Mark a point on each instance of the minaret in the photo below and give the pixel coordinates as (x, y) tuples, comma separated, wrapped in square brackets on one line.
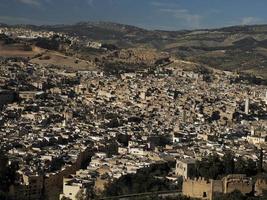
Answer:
[(252, 131), (247, 106), (254, 94), (260, 161), (177, 126), (183, 115), (64, 123)]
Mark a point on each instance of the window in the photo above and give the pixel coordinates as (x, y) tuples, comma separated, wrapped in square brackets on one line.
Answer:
[(34, 181), (204, 194)]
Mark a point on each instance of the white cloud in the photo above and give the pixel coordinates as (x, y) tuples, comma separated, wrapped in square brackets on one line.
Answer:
[(90, 3), (30, 2), (24, 20), (250, 20), (192, 20), (15, 20), (165, 5)]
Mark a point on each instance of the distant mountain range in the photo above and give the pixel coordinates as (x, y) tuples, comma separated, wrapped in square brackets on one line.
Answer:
[(237, 48)]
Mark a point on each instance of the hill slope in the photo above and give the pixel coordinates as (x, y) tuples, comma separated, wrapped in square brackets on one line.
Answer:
[(238, 48)]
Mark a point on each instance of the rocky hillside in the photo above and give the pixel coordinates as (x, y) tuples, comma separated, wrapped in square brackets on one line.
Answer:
[(239, 48)]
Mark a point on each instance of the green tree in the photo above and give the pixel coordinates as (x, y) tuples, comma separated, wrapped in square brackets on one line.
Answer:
[(143, 181), (240, 166), (81, 195), (264, 197), (236, 195), (111, 148), (251, 169), (3, 171), (3, 195), (210, 167), (228, 163), (7, 175), (248, 167)]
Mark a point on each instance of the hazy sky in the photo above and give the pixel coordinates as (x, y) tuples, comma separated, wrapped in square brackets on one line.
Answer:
[(151, 14)]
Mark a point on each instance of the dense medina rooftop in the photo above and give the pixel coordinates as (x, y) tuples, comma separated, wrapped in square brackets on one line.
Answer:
[(89, 128)]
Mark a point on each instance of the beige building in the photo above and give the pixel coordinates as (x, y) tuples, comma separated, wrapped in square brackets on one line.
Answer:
[(30, 94), (35, 187), (31, 189), (256, 140), (73, 188), (185, 168)]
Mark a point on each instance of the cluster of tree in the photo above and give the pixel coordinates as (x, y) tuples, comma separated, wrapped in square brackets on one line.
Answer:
[(214, 167), (116, 68), (215, 116), (249, 79), (237, 195), (159, 140), (157, 197), (7, 175), (26, 47), (46, 57), (145, 180), (46, 43), (111, 148), (56, 164), (6, 39), (162, 61), (53, 43), (4, 60)]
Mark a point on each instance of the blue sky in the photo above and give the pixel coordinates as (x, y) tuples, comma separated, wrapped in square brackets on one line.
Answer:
[(151, 14)]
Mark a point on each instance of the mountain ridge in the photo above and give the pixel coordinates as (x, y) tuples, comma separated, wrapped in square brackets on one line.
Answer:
[(234, 48)]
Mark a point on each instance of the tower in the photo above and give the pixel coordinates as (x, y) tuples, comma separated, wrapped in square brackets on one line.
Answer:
[(252, 131), (64, 123), (68, 115), (260, 160), (183, 115), (247, 106), (176, 126)]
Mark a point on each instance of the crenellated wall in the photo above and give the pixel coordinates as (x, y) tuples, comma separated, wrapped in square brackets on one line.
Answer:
[(208, 189), (260, 186)]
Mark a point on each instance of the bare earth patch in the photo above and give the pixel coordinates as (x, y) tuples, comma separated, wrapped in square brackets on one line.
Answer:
[(18, 51), (66, 62)]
